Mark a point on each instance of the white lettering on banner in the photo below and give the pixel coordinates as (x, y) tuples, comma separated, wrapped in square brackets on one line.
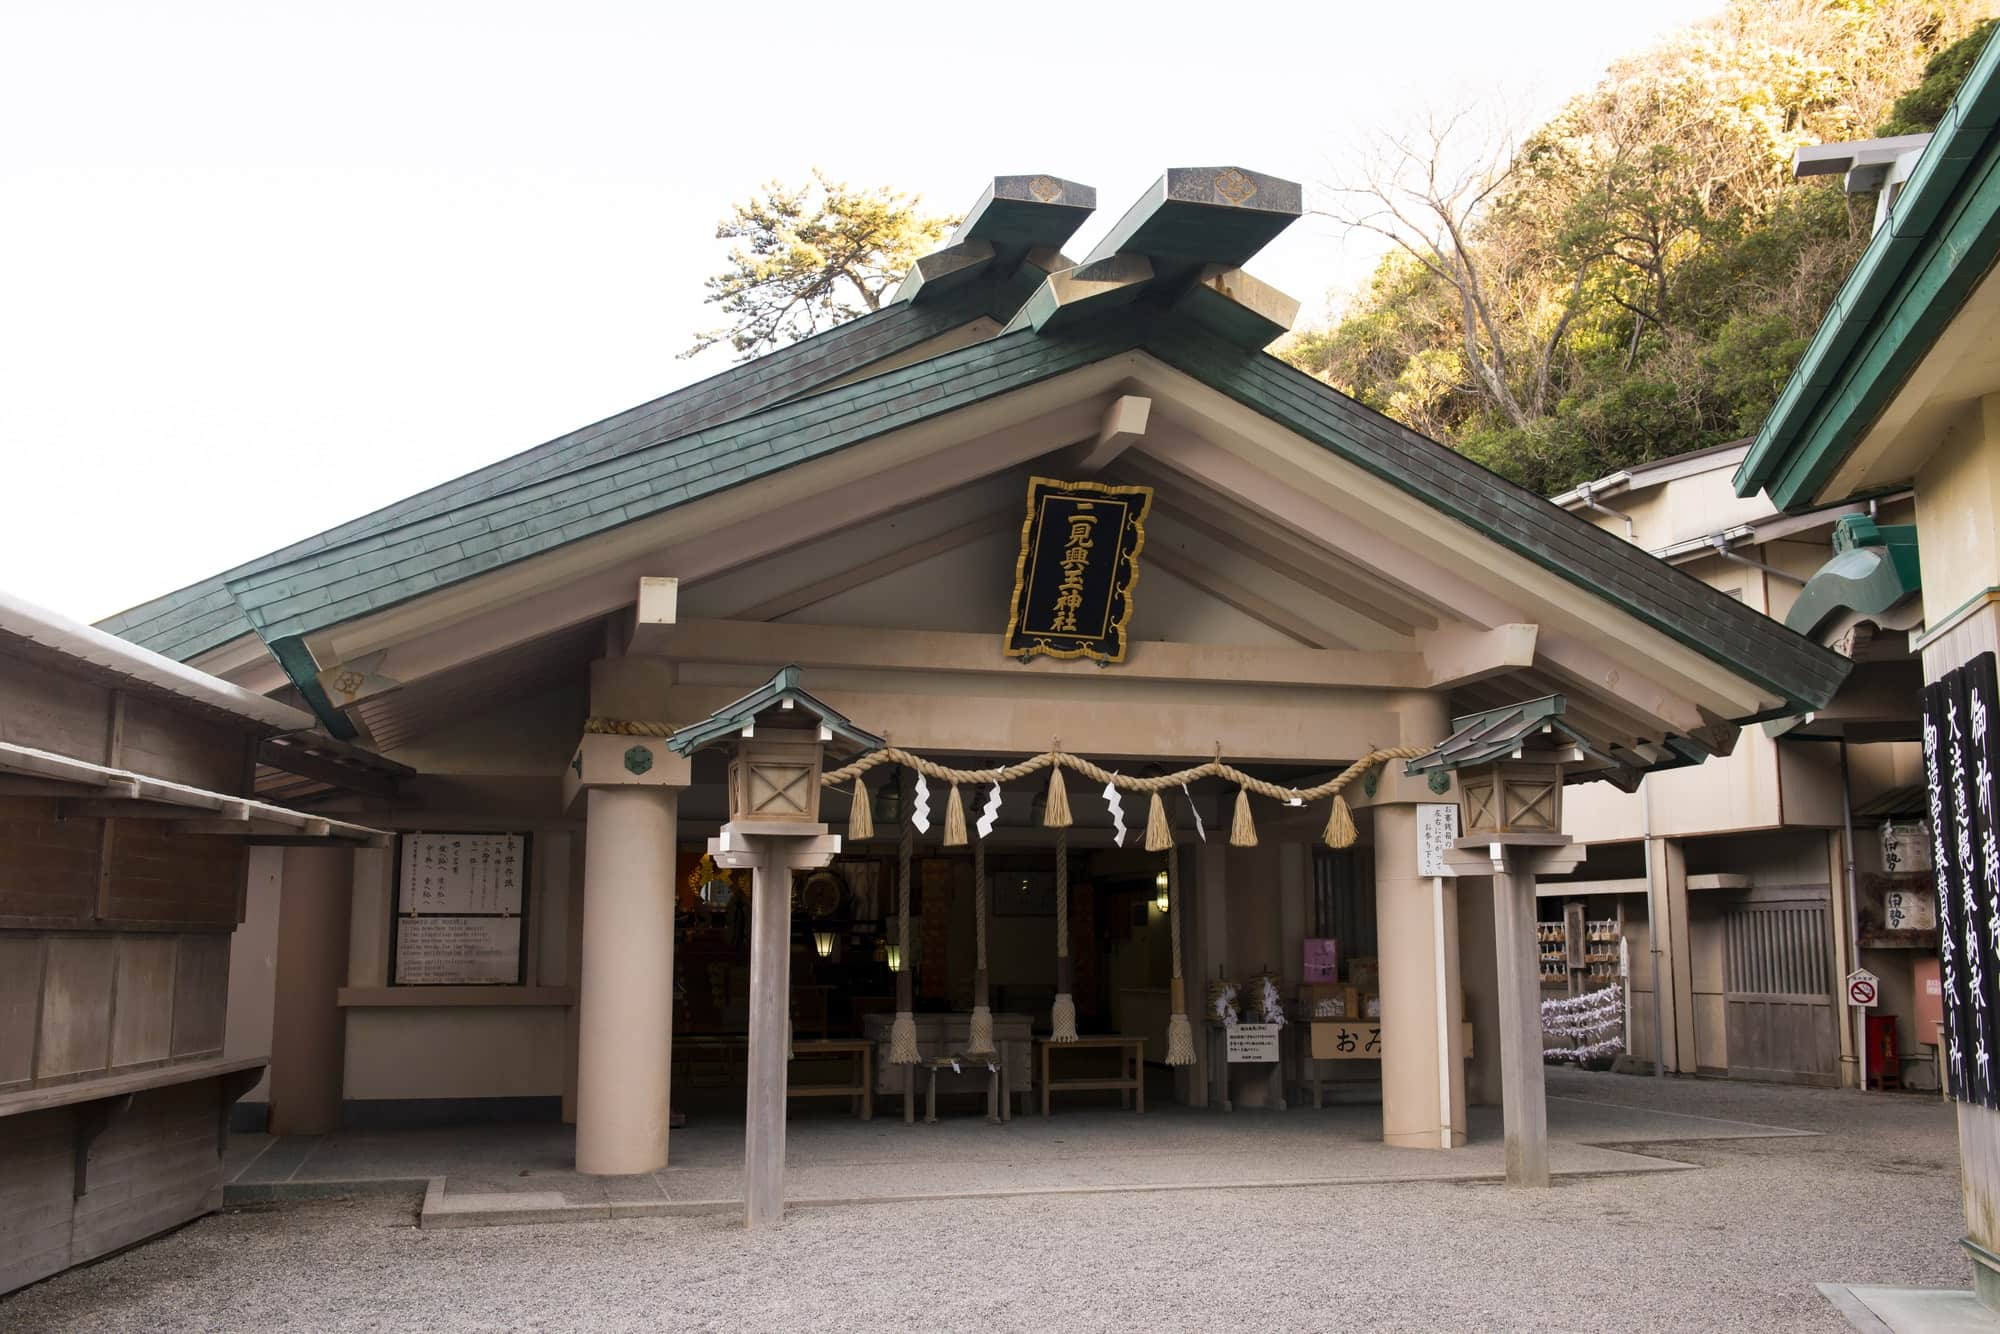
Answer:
[(1437, 831), (1251, 1043)]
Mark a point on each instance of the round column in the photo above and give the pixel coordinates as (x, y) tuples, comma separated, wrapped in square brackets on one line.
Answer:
[(1416, 1047), (626, 990)]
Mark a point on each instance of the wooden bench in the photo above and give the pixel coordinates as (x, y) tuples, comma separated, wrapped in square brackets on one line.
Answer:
[(862, 1090), (1131, 1080)]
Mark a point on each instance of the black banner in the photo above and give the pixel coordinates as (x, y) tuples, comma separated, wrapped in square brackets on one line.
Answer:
[(1078, 564), (1960, 757)]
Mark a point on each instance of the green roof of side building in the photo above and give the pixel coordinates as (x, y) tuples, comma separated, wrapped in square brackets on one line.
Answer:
[(1940, 240)]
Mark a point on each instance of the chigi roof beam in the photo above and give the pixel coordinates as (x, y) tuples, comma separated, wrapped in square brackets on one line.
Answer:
[(1194, 216), (1017, 219)]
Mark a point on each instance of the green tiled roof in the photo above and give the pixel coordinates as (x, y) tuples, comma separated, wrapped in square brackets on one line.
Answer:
[(325, 588), (202, 616), (768, 415), (1941, 238)]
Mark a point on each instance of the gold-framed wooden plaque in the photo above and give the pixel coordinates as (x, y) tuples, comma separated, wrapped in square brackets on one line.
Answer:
[(1078, 566)]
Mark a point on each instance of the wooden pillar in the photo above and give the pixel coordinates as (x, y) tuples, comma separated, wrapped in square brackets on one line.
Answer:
[(1676, 959), (308, 1029), (1523, 1101), (626, 990), (770, 1038)]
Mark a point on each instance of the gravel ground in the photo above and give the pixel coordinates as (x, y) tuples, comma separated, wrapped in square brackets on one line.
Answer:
[(1736, 1245)]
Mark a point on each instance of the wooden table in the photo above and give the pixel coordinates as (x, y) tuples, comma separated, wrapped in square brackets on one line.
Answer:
[(996, 1084), (862, 1091), (1131, 1080)]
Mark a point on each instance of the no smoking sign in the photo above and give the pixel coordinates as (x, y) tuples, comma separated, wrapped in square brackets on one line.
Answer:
[(1863, 988)]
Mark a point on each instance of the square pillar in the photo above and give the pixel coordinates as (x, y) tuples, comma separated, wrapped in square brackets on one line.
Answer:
[(308, 1029), (1676, 985), (1416, 942)]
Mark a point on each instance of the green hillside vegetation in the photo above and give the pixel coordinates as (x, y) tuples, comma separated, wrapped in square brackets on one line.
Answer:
[(1636, 277)]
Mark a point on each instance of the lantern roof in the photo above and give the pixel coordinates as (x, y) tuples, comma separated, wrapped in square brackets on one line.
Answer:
[(1510, 732), (780, 692)]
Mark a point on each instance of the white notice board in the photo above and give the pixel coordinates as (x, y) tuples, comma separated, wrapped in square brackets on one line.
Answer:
[(458, 951), (1437, 830), (1252, 1043), (463, 873), (460, 902)]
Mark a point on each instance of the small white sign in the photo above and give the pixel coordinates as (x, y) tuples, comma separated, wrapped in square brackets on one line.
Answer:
[(1906, 847), (1863, 988), (1249, 1043), (1437, 830), (1909, 910)]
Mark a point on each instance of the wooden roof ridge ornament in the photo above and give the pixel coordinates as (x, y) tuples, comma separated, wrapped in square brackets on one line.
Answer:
[(1186, 238), (1016, 228), (777, 734), (1510, 763)]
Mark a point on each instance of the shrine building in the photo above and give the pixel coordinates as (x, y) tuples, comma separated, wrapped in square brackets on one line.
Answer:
[(1035, 656)]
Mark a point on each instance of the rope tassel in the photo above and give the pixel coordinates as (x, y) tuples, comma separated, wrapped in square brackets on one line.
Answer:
[(1340, 830), (1159, 834), (1180, 1034), (1056, 816), (860, 816), (979, 1035), (903, 1033), (1062, 1015), (954, 820), (1242, 830)]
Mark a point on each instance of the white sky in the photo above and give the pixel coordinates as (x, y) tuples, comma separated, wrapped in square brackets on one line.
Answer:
[(268, 266)]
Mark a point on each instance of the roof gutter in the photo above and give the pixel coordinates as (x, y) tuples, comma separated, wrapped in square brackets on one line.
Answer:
[(1933, 245), (87, 644), (1584, 498)]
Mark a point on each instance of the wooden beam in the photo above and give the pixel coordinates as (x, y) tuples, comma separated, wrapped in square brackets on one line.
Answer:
[(303, 763), (1251, 604), (1315, 727), (655, 612), (1229, 525), (141, 809), (1459, 654), (798, 599), (1124, 423), (1587, 668), (53, 787), (760, 643)]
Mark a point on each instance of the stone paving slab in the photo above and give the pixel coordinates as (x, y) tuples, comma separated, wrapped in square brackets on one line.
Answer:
[(484, 1175)]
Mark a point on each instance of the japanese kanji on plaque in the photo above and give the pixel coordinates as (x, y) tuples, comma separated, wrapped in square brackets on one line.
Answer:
[(1079, 562)]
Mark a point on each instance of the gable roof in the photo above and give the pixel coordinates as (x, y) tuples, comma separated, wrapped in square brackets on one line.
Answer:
[(1194, 317), (192, 620), (1941, 237)]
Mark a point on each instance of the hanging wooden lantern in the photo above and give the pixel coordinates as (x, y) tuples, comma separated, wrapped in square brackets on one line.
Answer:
[(1511, 796), (774, 775), (777, 737)]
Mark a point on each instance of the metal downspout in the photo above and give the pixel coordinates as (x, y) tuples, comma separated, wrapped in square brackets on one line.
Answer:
[(1653, 936)]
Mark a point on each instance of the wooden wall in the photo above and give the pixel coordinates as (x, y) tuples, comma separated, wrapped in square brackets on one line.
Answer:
[(114, 960)]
